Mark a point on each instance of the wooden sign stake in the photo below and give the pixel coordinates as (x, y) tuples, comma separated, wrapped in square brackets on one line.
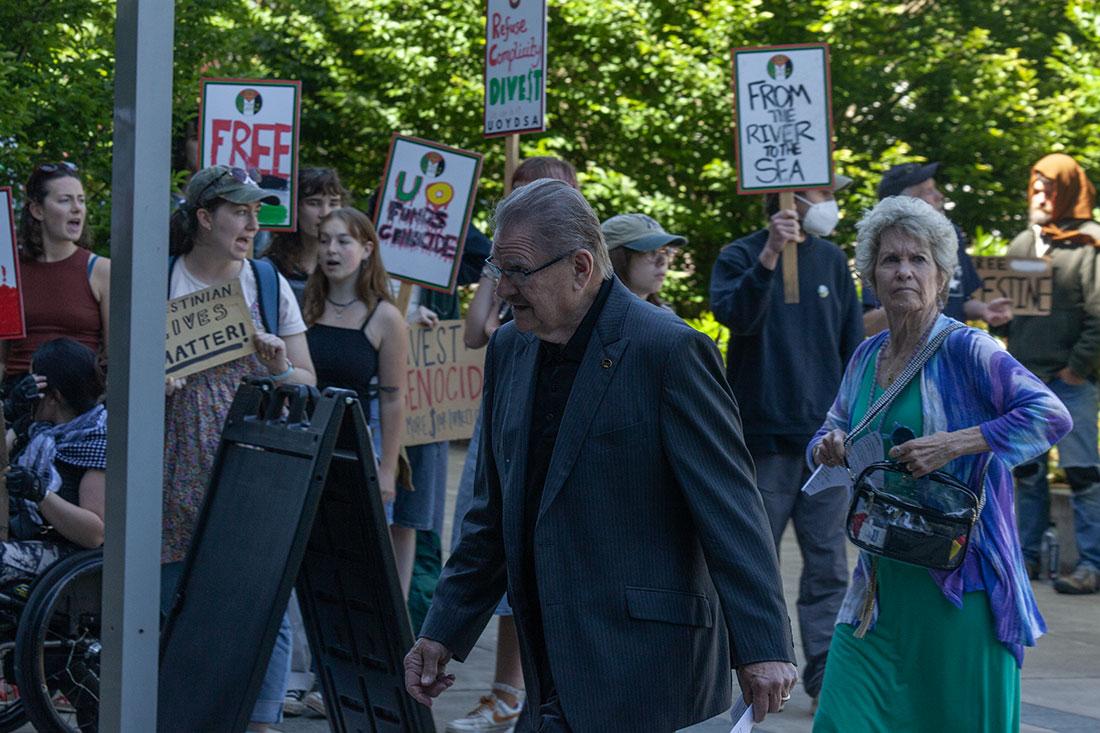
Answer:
[(511, 160), (790, 255), (403, 296)]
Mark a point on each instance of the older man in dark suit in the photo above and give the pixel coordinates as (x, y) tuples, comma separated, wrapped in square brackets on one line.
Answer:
[(615, 501)]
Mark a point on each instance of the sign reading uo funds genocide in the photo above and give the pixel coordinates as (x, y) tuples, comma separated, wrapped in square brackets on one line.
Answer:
[(207, 328), (1026, 281), (443, 385)]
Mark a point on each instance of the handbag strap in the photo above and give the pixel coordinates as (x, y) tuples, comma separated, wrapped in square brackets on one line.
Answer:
[(912, 369)]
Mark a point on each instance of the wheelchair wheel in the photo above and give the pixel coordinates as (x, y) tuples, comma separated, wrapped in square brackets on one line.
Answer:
[(12, 712), (57, 646)]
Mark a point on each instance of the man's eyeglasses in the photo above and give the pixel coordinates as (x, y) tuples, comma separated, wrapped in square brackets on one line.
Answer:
[(240, 175), (517, 275)]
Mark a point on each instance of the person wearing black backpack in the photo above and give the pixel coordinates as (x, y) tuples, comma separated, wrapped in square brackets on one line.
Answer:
[(211, 236)]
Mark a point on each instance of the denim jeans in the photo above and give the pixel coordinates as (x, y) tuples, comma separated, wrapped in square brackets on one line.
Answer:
[(1077, 450)]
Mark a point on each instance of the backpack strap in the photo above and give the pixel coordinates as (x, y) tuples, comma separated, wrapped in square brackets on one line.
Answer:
[(267, 293), (91, 264)]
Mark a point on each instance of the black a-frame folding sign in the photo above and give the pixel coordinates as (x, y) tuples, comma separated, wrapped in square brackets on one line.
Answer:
[(294, 486)]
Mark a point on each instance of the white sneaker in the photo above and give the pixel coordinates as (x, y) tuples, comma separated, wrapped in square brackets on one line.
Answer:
[(294, 702), (492, 715), (315, 704)]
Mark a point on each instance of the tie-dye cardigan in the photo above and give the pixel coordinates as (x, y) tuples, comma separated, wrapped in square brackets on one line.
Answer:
[(972, 381)]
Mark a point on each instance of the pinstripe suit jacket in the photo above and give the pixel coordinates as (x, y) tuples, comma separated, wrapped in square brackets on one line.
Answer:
[(656, 570)]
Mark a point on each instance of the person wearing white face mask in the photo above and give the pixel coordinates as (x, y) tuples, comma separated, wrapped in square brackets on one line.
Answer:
[(785, 362)]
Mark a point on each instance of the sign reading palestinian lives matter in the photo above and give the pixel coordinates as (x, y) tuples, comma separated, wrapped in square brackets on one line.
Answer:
[(783, 103), (515, 66), (423, 211), (1028, 282), (443, 385), (252, 124), (12, 325), (207, 328)]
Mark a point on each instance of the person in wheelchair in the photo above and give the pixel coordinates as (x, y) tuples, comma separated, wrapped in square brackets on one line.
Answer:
[(58, 444)]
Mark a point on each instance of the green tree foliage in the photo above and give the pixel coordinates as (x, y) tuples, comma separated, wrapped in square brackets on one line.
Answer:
[(639, 94)]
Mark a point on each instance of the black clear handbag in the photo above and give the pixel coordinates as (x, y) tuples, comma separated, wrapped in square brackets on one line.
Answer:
[(926, 521)]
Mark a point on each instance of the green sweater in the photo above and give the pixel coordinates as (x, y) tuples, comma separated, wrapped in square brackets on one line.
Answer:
[(1070, 335)]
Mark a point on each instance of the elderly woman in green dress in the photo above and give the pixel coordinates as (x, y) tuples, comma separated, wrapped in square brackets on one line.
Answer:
[(918, 649)]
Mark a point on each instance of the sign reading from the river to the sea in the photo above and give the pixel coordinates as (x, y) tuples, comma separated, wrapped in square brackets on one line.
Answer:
[(442, 385), (783, 103), (423, 211), (207, 328), (1028, 282), (252, 124), (12, 325), (515, 66)]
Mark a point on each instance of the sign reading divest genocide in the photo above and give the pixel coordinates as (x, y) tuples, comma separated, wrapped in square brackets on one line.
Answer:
[(207, 328), (515, 66), (1028, 282), (12, 325), (783, 103), (424, 209), (443, 385), (252, 124)]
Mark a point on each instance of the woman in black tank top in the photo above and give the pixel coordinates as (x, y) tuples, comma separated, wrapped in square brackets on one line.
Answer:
[(357, 334)]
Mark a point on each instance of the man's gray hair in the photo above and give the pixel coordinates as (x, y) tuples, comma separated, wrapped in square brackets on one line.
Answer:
[(910, 216), (556, 216)]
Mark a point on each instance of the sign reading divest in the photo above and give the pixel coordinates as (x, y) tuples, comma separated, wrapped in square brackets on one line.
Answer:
[(442, 386), (207, 328), (12, 325), (515, 66), (424, 209), (1028, 282), (783, 103), (252, 124)]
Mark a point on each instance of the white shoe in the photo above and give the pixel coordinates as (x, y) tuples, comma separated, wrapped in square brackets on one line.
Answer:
[(315, 704), (492, 715), (294, 702)]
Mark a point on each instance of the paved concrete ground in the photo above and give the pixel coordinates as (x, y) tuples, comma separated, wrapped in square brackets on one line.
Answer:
[(1061, 676)]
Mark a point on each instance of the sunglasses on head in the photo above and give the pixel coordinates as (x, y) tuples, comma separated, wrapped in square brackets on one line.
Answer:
[(240, 175), (54, 167)]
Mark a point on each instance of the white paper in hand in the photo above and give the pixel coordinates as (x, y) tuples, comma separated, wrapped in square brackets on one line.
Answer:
[(861, 454), (742, 716)]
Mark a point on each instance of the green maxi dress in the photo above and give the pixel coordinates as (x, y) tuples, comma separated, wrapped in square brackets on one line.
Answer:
[(925, 665)]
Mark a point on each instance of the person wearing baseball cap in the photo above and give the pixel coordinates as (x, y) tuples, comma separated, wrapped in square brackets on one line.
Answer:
[(785, 363), (918, 180), (641, 251)]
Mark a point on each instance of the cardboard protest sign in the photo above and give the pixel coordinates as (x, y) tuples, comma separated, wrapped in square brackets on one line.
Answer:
[(1028, 282), (12, 324), (443, 385), (207, 328), (423, 210), (515, 66), (783, 104), (252, 124)]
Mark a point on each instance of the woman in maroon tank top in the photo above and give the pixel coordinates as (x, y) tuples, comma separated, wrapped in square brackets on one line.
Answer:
[(66, 289)]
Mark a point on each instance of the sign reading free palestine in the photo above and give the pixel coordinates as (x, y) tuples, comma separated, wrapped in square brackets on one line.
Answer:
[(515, 66), (252, 124)]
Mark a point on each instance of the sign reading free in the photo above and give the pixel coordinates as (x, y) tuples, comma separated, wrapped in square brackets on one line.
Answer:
[(443, 384), (252, 124), (783, 103), (515, 66)]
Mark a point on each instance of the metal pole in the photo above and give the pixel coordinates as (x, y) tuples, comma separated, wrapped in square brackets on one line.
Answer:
[(135, 396)]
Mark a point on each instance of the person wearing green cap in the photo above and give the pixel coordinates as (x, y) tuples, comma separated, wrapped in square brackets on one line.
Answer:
[(641, 252), (211, 235)]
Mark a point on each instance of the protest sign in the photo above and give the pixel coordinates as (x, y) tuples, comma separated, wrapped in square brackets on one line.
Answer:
[(783, 104), (515, 66), (423, 210), (207, 328), (443, 385), (1028, 282), (252, 124), (12, 325)]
